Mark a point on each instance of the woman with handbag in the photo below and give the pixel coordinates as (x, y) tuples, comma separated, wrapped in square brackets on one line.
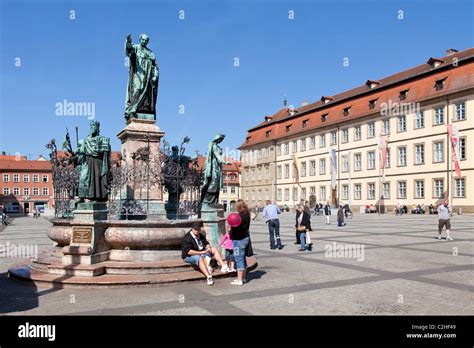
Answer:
[(241, 242), (303, 228)]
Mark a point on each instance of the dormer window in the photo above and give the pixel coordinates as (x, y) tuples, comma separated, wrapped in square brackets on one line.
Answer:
[(372, 84), (267, 134), (345, 112), (247, 140), (288, 128), (326, 100), (305, 123), (268, 118), (324, 118), (403, 94), (439, 84), (434, 63), (372, 103)]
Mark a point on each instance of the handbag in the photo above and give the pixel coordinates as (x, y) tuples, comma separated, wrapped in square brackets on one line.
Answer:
[(308, 238), (301, 228)]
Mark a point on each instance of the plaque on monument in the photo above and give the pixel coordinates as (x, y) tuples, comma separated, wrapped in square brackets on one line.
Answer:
[(82, 235)]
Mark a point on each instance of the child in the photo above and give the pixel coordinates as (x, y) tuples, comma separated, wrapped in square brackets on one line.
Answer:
[(229, 253)]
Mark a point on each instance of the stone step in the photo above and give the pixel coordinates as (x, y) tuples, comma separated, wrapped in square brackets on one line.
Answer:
[(94, 270), (157, 267)]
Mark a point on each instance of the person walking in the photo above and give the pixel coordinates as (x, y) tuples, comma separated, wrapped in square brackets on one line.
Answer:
[(270, 214), (340, 216), (327, 212), (241, 242), (303, 226), (444, 216)]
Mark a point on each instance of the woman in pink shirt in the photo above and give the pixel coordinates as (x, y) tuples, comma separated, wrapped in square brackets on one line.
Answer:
[(229, 252)]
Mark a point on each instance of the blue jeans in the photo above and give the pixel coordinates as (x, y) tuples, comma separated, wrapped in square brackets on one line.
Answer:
[(194, 260), (303, 240), (240, 247), (274, 231)]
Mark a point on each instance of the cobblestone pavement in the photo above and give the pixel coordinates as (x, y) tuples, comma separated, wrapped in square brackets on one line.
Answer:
[(394, 265)]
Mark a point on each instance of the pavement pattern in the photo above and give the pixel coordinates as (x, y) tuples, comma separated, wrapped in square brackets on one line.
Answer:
[(376, 265)]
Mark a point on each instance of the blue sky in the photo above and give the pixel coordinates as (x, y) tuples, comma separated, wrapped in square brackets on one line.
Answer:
[(82, 60)]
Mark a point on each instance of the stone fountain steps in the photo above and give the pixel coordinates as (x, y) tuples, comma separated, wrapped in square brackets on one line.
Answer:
[(41, 278)]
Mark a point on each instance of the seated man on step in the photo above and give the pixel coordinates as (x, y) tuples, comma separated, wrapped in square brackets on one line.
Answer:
[(197, 251)]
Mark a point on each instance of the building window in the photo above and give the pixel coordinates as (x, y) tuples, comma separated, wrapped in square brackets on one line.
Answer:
[(278, 149), (439, 115), (345, 135), (322, 166), (462, 148), (303, 169), (287, 194), (267, 134), (386, 126), (357, 191), (324, 118), (279, 195), (420, 154), (45, 177), (345, 163), (224, 189), (386, 190), (303, 144), (35, 191), (438, 188), (419, 188), (16, 178), (371, 190), (402, 156), (346, 111), (402, 123), (288, 128), (312, 190), (312, 142), (333, 138), (295, 146), (357, 132), (279, 172), (371, 130), (439, 85), (312, 167), (6, 191), (303, 193), (357, 162), (402, 189), (35, 178), (16, 191), (460, 111), (322, 140), (460, 188), (6, 178), (26, 178), (287, 171), (403, 94), (26, 190), (371, 160), (419, 120), (345, 192), (232, 189), (295, 194), (438, 152), (287, 148), (305, 123), (322, 193), (387, 159), (372, 103)]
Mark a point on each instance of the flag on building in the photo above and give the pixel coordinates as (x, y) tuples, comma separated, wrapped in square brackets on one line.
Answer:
[(382, 146), (334, 168), (453, 133), (296, 166)]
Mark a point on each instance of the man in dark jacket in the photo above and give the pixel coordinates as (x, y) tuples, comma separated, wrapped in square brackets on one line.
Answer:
[(197, 251)]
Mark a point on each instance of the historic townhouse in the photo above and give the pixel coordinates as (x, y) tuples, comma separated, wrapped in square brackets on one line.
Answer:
[(400, 121)]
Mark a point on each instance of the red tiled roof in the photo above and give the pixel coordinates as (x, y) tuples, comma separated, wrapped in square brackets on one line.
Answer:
[(234, 166), (25, 165), (419, 80)]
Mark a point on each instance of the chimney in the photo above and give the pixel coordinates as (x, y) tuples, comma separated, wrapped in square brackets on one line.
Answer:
[(4, 153), (451, 51)]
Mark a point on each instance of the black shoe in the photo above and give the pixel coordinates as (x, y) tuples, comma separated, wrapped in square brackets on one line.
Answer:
[(302, 249), (309, 247), (272, 248), (280, 247), (296, 243)]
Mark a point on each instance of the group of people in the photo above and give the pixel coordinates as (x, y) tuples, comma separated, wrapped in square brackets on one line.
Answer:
[(36, 213), (198, 252)]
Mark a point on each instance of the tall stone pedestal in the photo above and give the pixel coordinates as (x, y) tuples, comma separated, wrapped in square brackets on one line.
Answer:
[(87, 245), (140, 133), (214, 223)]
